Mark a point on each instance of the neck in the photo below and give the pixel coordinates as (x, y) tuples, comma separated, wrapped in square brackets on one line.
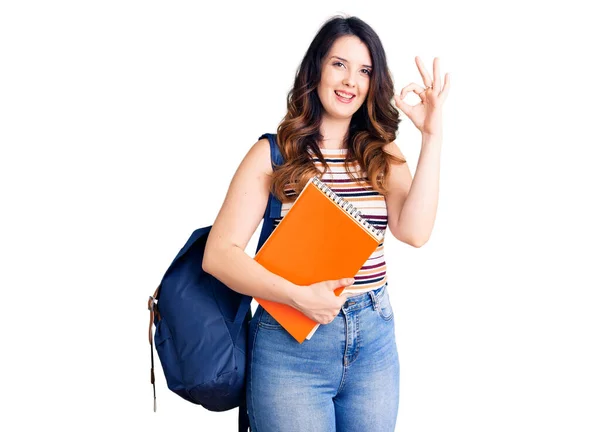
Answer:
[(333, 131)]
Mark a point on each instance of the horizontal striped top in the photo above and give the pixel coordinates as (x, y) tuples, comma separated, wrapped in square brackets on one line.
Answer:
[(369, 202)]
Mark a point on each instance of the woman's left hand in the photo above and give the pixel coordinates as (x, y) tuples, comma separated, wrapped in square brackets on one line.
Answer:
[(427, 115)]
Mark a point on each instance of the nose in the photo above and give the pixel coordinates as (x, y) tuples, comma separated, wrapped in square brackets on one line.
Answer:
[(349, 80)]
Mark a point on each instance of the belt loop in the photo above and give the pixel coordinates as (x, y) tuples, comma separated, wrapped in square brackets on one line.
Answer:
[(374, 300)]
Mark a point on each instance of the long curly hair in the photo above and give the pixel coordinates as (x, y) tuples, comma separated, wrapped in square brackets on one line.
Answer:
[(372, 126)]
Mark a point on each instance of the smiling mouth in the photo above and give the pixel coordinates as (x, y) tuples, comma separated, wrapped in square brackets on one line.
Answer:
[(344, 96)]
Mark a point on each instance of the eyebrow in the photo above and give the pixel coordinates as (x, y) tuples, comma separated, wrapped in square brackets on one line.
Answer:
[(343, 59)]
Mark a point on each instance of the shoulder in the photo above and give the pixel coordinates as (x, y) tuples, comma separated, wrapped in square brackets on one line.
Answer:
[(399, 173), (393, 149), (259, 156)]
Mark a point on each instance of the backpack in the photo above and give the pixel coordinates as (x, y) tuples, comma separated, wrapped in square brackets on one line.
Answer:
[(201, 325)]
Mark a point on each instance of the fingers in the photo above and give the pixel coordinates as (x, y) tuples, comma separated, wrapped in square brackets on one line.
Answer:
[(446, 89), (341, 282), (414, 87), (436, 75), (436, 83), (423, 71), (404, 107)]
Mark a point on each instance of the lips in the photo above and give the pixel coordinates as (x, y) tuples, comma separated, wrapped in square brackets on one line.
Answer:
[(341, 93), (344, 100)]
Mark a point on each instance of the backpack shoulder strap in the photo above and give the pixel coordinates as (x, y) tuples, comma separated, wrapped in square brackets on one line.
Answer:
[(273, 209), (276, 157)]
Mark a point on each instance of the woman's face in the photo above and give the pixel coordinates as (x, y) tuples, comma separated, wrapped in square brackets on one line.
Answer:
[(346, 68)]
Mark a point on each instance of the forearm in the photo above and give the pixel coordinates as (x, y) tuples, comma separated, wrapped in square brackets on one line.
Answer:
[(420, 207), (232, 266)]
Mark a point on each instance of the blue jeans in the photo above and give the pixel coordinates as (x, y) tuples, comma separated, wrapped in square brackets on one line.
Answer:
[(345, 379)]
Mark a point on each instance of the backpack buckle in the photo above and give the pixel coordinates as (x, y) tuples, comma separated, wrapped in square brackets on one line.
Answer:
[(151, 303)]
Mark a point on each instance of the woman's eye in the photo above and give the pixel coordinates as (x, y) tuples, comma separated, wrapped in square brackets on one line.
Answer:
[(367, 71)]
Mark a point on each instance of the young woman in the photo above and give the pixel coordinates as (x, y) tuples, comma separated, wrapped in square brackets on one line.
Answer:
[(340, 125)]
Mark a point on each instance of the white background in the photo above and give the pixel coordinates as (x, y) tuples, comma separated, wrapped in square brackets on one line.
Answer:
[(122, 123)]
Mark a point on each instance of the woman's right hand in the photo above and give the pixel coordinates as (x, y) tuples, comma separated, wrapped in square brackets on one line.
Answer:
[(319, 302)]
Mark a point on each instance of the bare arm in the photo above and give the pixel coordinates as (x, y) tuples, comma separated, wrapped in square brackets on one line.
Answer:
[(412, 203), (244, 206), (420, 207)]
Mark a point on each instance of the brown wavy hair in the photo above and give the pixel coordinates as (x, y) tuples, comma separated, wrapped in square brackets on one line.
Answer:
[(372, 126)]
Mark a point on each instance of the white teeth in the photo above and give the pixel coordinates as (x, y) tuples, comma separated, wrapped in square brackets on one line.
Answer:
[(343, 95)]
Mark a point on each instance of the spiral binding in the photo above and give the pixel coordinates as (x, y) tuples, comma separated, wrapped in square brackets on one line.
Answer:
[(345, 205)]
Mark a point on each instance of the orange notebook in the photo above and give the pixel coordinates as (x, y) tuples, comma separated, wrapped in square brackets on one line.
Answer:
[(322, 237)]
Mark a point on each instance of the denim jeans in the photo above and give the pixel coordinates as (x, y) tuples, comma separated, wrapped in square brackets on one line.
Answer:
[(345, 379)]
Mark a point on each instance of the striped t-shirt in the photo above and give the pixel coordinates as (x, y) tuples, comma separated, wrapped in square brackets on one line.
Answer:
[(368, 201)]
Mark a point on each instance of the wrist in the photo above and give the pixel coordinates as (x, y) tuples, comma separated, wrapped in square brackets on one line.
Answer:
[(292, 294), (431, 141), (431, 137)]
